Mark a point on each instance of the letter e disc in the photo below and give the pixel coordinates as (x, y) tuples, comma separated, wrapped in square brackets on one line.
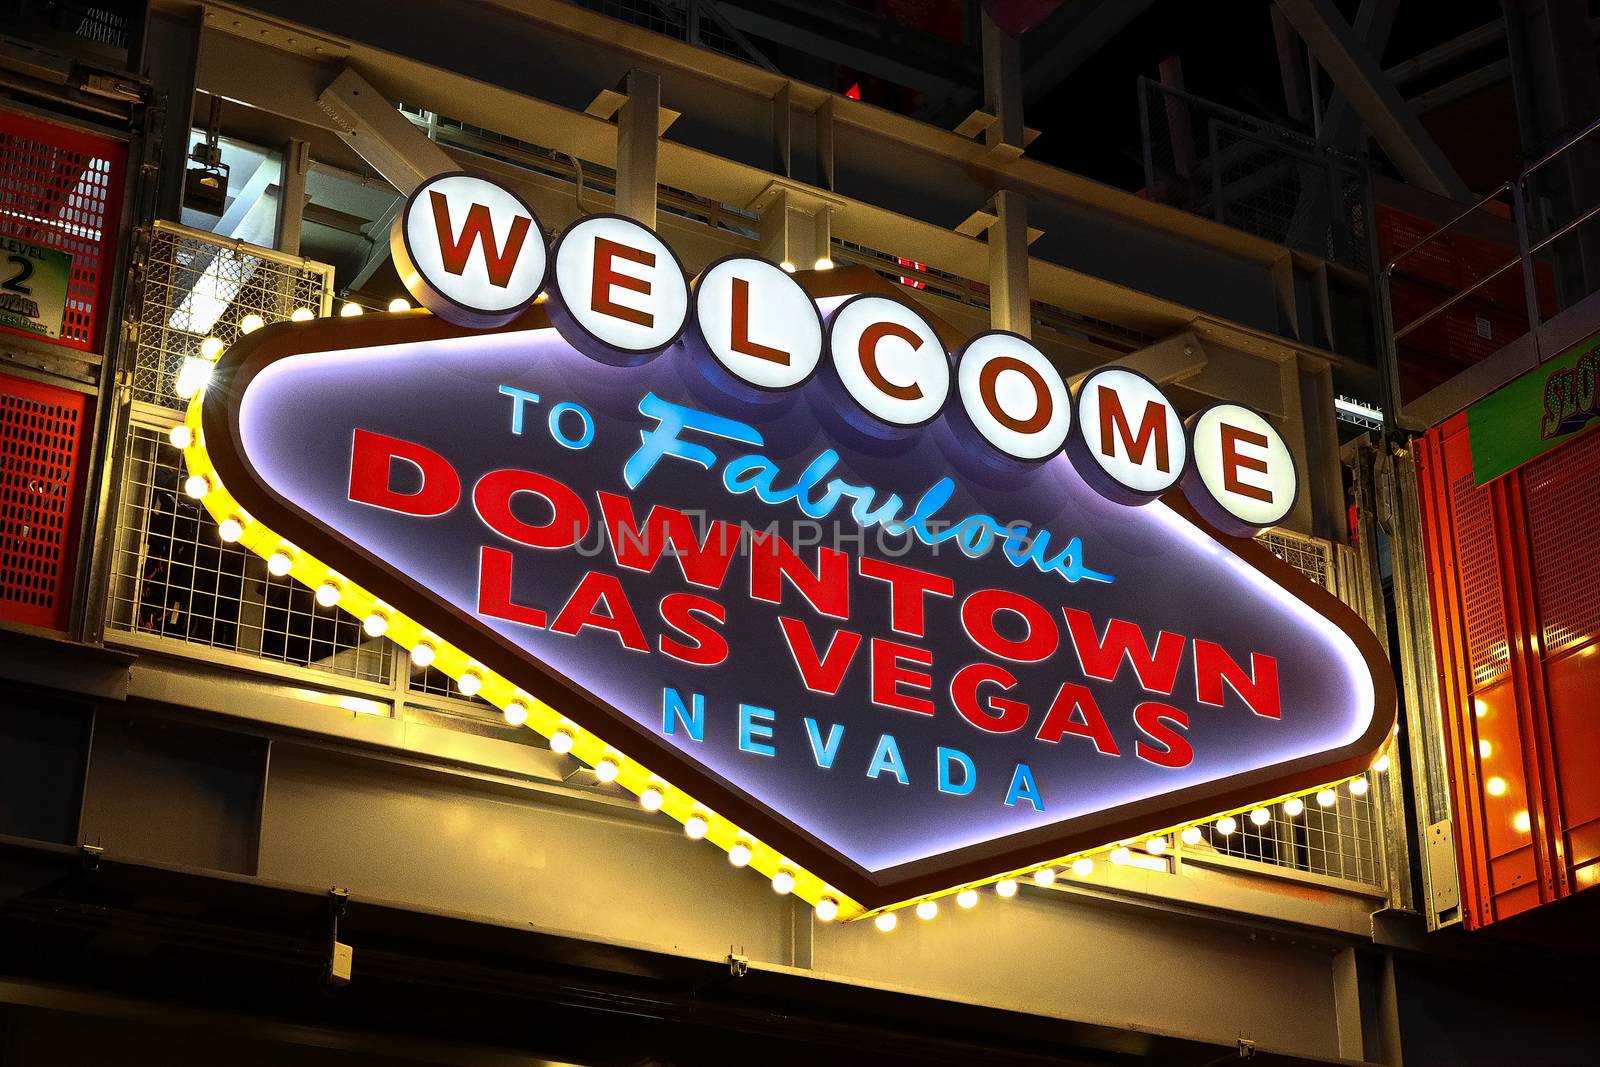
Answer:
[(889, 360), (757, 322), (469, 250), (1129, 442), (1241, 475), (621, 286), (1013, 395)]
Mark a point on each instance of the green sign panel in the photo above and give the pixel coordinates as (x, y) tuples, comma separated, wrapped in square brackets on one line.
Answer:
[(33, 286), (1547, 406)]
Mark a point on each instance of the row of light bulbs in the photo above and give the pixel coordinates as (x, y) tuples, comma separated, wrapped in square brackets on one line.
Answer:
[(608, 768)]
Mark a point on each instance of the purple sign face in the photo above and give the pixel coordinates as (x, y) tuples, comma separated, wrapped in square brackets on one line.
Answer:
[(903, 659)]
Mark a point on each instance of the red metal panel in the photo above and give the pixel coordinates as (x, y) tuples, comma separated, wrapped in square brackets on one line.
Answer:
[(1514, 580), (43, 434), (62, 188)]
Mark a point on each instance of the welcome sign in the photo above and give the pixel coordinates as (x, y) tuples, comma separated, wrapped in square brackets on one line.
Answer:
[(882, 613)]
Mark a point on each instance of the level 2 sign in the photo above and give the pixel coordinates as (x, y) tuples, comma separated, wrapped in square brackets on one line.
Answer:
[(882, 612)]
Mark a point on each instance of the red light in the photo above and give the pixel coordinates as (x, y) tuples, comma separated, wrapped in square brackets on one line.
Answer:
[(854, 92), (913, 282)]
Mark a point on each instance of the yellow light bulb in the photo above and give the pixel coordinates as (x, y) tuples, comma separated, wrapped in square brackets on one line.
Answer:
[(927, 910), (967, 898), (230, 530), (783, 883), (1227, 825), (376, 624), (424, 655), (350, 310), (516, 713), (1120, 855), (1497, 786), (251, 323), (1521, 823), (1083, 866), (469, 684), (180, 436), (827, 909), (399, 303), (1006, 887), (328, 594), (211, 348), (279, 564), (823, 264), (787, 266), (1294, 808), (886, 922), (1485, 749), (739, 855), (1358, 787), (1261, 816), (1044, 876), (695, 826), (1156, 846), (651, 798), (1191, 835), (1326, 798), (196, 486), (1382, 763), (302, 315), (607, 770), (561, 742)]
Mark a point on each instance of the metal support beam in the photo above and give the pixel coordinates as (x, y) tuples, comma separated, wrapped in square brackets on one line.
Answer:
[(796, 226), (292, 196), (1009, 306), (369, 123), (1173, 359), (1002, 88), (638, 138), (1341, 125), (172, 56), (1397, 129)]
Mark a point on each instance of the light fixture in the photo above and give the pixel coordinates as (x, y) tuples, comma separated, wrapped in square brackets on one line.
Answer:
[(350, 310), (230, 529), (1521, 823), (787, 266), (192, 377), (608, 769), (181, 437), (739, 854), (424, 654), (196, 486), (1156, 846), (1191, 835), (1120, 855), (1485, 748), (1294, 807), (211, 348), (695, 826), (328, 593), (827, 909), (376, 624), (279, 563), (1083, 866), (1227, 825), (469, 684), (1358, 787), (783, 882), (1261, 816), (651, 798), (399, 303), (515, 713), (561, 743), (1006, 887), (927, 910), (1326, 798), (1382, 763), (1479, 708), (302, 315), (886, 922), (967, 898), (251, 323), (823, 264), (1044, 877), (1496, 786)]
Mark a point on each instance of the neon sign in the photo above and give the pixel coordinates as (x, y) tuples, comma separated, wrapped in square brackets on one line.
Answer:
[(881, 623)]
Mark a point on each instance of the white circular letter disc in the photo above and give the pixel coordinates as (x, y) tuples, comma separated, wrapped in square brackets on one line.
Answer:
[(889, 360), (469, 250), (1242, 474), (621, 284), (1013, 395), (758, 322), (1129, 433)]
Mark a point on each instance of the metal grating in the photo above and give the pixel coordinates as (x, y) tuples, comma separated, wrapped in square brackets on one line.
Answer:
[(197, 286), (175, 578), (41, 451), (1339, 841), (1483, 606), (1563, 513), (61, 188), (1311, 556)]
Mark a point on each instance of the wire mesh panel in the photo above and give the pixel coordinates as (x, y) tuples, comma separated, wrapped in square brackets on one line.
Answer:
[(1336, 840), (175, 578), (42, 438), (62, 188), (198, 286), (1252, 175), (1311, 556)]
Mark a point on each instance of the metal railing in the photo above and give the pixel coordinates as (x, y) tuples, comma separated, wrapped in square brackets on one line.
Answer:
[(1527, 248)]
